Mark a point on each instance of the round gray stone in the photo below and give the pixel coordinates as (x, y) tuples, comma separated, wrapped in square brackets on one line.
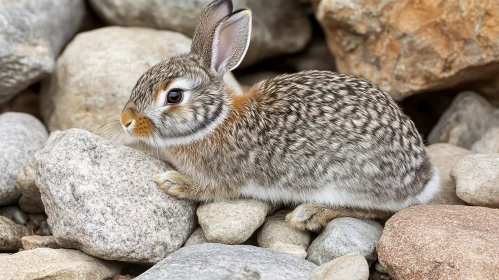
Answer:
[(345, 235), (21, 135)]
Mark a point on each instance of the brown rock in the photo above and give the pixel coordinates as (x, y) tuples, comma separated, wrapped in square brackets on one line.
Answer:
[(411, 46), (31, 242), (444, 157), (441, 242)]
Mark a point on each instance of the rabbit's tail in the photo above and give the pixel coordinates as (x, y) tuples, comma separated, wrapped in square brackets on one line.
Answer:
[(430, 190)]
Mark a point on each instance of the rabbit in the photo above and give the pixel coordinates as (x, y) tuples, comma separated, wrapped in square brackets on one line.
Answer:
[(334, 143)]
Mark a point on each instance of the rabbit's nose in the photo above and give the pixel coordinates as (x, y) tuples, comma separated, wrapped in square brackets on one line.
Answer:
[(127, 117), (128, 124)]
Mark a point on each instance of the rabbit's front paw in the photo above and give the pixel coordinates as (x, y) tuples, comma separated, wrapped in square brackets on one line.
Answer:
[(174, 183)]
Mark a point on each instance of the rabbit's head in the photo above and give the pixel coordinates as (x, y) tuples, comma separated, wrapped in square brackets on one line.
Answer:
[(184, 98)]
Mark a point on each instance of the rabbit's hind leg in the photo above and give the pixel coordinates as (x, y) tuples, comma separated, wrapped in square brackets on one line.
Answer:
[(314, 217)]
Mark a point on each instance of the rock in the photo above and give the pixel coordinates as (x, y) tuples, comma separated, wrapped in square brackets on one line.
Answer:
[(231, 222), (21, 135), (269, 36), (30, 201), (90, 86), (197, 237), (33, 34), (441, 242), (477, 179), (10, 235), (14, 213), (275, 229), (444, 157), (290, 249), (380, 268), (351, 266), (60, 264), (31, 242), (400, 46), (465, 121), (100, 198), (218, 261), (488, 143), (37, 224), (122, 277), (345, 235)]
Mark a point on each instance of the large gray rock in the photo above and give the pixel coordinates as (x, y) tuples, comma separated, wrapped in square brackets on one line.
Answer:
[(217, 261), (55, 264), (477, 179), (95, 75), (279, 26), (33, 34), (466, 120), (100, 198), (444, 156), (345, 235), (21, 135), (232, 222), (10, 235)]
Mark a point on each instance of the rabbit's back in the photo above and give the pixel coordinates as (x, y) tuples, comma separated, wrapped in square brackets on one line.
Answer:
[(331, 138)]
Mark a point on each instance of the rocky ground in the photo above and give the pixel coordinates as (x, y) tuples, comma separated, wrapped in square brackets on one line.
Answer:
[(75, 205)]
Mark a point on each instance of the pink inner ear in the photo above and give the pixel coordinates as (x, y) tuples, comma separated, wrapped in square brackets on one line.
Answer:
[(230, 42)]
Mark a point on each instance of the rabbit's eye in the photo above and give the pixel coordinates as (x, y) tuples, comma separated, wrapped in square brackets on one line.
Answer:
[(174, 96)]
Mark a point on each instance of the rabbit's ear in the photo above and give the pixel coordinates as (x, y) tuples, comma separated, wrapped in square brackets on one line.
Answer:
[(230, 41), (210, 16)]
